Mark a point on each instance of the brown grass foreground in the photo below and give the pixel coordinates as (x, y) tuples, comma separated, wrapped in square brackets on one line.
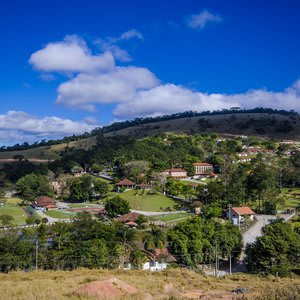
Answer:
[(171, 284)]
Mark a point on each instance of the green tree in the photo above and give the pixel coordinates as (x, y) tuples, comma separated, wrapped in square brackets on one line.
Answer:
[(117, 206), (33, 185), (276, 251), (6, 220)]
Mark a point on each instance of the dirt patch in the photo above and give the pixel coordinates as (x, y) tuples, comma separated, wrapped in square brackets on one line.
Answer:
[(107, 289)]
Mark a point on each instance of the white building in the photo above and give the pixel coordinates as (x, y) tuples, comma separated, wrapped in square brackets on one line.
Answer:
[(202, 168), (238, 215)]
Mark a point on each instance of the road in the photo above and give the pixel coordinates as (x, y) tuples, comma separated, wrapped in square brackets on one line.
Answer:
[(254, 232), (50, 219)]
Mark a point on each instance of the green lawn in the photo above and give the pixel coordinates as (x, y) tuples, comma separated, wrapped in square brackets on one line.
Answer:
[(171, 217), (293, 197), (12, 208), (59, 214), (148, 201), (79, 205)]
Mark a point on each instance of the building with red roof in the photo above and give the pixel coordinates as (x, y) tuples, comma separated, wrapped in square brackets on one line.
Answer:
[(44, 203), (203, 168), (175, 173), (239, 214), (125, 183)]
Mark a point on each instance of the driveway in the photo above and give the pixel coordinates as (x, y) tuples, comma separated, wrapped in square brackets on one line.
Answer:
[(50, 219)]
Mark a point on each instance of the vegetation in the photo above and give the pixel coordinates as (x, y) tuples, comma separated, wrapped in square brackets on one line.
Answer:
[(197, 241), (117, 206), (276, 251)]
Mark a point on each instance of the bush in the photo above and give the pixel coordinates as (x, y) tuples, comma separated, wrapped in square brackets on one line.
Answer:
[(30, 220)]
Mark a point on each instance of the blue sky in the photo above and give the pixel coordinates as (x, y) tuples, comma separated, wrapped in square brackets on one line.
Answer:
[(68, 66)]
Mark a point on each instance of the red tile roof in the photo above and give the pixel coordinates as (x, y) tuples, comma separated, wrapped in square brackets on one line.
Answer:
[(44, 201), (125, 182), (243, 210), (129, 217)]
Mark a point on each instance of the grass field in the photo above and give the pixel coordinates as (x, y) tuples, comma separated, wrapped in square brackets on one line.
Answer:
[(59, 214), (148, 201), (172, 217), (293, 197), (13, 209), (170, 284)]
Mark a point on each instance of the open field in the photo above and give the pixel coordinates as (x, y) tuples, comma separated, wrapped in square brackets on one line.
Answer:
[(59, 214), (293, 197), (13, 209), (148, 201), (172, 217), (171, 284)]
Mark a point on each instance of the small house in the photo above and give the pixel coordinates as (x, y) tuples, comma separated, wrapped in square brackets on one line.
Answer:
[(238, 215), (125, 184), (44, 203), (158, 259), (131, 217)]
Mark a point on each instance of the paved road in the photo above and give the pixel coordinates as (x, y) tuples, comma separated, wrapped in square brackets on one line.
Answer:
[(50, 219), (250, 235)]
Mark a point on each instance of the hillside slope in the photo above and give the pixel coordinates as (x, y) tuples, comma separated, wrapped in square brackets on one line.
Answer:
[(171, 284), (270, 126)]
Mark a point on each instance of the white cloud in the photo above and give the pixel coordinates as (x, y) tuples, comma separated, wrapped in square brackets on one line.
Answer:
[(117, 86), (199, 21), (133, 33), (111, 44), (70, 55), (170, 98), (136, 91), (19, 126)]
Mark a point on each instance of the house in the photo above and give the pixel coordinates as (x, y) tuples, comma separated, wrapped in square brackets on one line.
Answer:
[(202, 168), (239, 215), (157, 260), (58, 186), (175, 173), (44, 203), (125, 183), (131, 217)]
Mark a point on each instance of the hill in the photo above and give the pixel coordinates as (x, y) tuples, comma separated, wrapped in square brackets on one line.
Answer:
[(275, 126), (171, 284)]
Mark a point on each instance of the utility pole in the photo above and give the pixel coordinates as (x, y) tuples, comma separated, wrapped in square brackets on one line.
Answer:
[(230, 264), (216, 263), (36, 253)]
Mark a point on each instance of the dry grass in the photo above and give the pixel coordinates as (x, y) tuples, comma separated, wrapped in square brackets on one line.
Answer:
[(61, 285)]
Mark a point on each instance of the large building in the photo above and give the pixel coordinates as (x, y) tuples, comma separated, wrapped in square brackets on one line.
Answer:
[(175, 173), (203, 168)]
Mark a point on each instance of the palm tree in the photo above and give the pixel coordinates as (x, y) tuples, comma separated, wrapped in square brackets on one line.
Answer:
[(156, 238)]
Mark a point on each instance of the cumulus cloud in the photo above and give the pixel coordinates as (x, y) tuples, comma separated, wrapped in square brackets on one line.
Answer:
[(170, 98), (18, 126), (120, 85), (70, 55), (199, 21), (135, 91)]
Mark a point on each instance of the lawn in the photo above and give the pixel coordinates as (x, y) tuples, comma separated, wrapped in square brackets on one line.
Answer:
[(59, 214), (293, 197), (13, 209), (148, 201), (172, 217)]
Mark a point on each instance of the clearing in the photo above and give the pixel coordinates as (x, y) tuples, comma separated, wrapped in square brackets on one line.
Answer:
[(12, 208), (149, 201)]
